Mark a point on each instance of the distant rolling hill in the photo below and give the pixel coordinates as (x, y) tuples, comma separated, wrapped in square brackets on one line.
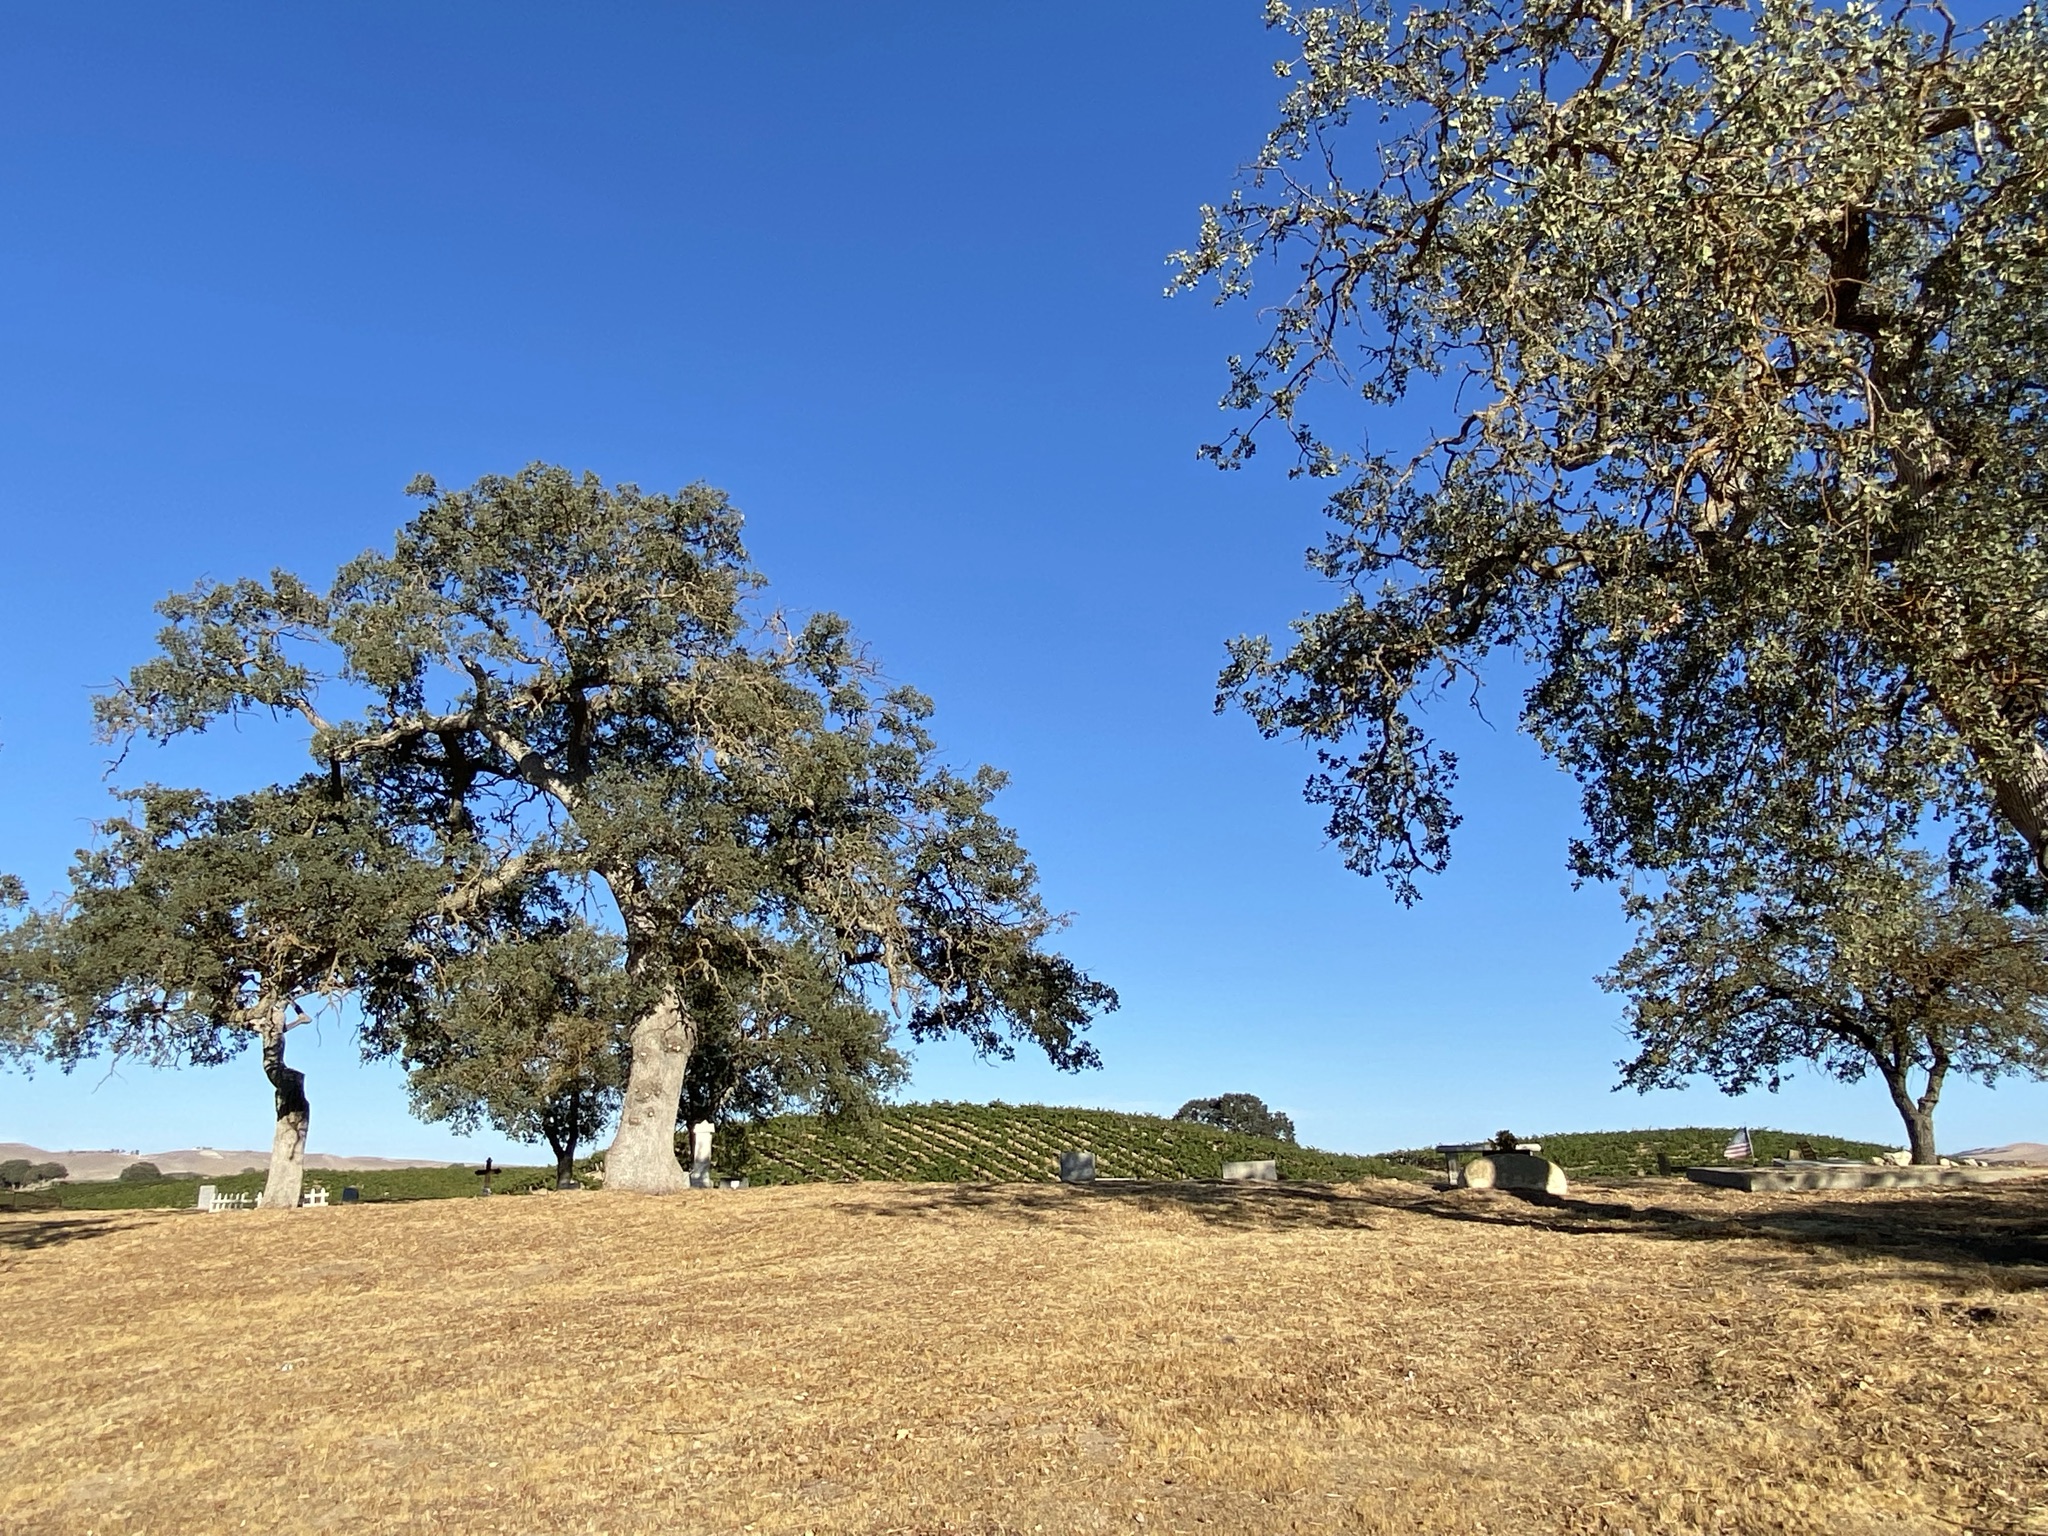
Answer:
[(103, 1163)]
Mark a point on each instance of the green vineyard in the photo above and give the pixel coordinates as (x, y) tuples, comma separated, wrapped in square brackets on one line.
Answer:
[(1012, 1143), (1009, 1143)]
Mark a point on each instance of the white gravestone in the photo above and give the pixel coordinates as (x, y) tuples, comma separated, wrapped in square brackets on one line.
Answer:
[(206, 1194), (700, 1155)]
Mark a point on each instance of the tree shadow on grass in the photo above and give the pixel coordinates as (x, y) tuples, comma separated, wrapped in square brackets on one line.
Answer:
[(22, 1234), (1949, 1231), (1250, 1206), (1954, 1233)]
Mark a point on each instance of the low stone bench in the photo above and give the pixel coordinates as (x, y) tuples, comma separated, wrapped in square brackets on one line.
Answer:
[(1514, 1170)]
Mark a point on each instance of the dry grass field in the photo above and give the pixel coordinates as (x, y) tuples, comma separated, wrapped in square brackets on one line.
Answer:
[(923, 1358)]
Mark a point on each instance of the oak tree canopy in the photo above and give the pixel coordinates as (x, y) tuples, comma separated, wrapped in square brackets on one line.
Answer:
[(203, 924), (1841, 954), (546, 676), (1733, 318)]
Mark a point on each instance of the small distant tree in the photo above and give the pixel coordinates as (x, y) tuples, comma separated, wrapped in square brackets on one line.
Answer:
[(15, 1172), (530, 1036), (795, 1037), (141, 1173), (208, 923), (1244, 1113), (44, 1173), (1851, 959)]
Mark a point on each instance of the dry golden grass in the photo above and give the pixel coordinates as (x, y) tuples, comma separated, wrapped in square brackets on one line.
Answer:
[(1022, 1358)]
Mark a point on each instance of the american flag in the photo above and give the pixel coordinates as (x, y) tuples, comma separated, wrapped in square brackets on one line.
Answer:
[(1738, 1145)]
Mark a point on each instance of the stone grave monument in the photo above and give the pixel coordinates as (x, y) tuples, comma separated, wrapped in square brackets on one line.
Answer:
[(1514, 1170)]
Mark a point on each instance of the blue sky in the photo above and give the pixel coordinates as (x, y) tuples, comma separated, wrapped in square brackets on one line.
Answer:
[(892, 277)]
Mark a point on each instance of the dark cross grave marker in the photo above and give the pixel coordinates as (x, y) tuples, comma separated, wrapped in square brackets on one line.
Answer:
[(486, 1172)]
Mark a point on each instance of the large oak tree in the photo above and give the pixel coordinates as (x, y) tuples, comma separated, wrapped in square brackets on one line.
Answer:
[(1733, 315), (546, 675)]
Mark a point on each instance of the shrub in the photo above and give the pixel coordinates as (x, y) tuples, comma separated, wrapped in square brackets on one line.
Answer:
[(141, 1173), (42, 1173)]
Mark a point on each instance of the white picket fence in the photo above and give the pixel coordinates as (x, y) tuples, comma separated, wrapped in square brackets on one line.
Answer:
[(211, 1199)]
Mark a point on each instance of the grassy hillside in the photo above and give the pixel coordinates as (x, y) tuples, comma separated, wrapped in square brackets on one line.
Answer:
[(1619, 1153), (180, 1193), (937, 1143), (989, 1143), (1008, 1143)]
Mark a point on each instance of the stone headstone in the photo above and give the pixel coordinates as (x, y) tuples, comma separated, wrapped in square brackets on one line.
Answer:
[(350, 1195), (1514, 1170), (206, 1194), (1263, 1169), (700, 1155), (1077, 1167)]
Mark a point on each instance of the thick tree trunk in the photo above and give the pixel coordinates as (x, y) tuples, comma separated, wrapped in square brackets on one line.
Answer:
[(642, 1157), (565, 1159), (561, 1133), (2021, 794), (294, 1117)]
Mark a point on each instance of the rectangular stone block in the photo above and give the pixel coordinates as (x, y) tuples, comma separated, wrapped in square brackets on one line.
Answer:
[(1514, 1170), (1265, 1169), (1077, 1167), (206, 1193)]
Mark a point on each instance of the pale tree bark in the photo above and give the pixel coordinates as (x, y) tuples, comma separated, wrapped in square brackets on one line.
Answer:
[(642, 1157), (2020, 792), (294, 1117)]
